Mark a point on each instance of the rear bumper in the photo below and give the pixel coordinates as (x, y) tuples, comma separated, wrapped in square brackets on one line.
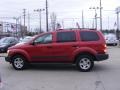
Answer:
[(101, 57)]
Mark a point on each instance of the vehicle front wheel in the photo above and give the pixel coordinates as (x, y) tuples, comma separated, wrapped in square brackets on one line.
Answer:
[(19, 62), (85, 63)]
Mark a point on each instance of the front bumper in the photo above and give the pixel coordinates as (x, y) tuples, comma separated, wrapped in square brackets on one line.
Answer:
[(7, 59), (101, 57)]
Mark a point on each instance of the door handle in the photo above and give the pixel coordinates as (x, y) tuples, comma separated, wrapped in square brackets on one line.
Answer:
[(49, 46), (74, 46)]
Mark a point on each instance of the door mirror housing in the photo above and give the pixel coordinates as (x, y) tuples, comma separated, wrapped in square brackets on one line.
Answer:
[(34, 43)]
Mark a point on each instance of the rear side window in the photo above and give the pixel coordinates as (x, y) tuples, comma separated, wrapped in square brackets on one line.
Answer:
[(89, 36), (66, 36)]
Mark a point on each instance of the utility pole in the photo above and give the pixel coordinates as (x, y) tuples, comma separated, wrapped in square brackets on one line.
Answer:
[(21, 26), (63, 24), (93, 23), (95, 8), (24, 14), (100, 15), (16, 21), (82, 19), (47, 15), (39, 10), (108, 23), (117, 31), (28, 21)]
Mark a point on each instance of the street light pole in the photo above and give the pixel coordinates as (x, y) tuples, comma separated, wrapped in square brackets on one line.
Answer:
[(39, 10)]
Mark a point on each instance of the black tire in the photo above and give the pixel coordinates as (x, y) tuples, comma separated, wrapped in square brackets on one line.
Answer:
[(85, 63), (115, 44), (19, 62)]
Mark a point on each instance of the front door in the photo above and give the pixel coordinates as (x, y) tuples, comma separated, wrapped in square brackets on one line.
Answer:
[(41, 50)]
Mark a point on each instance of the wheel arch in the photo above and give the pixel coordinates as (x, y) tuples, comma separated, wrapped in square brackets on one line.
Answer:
[(20, 54), (84, 53)]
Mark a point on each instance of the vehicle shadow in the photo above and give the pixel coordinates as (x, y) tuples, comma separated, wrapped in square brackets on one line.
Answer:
[(52, 67), (65, 67)]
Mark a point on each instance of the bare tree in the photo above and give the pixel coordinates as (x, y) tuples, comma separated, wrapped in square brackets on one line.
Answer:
[(53, 18)]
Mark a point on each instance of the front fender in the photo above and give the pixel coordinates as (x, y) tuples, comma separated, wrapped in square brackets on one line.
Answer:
[(14, 52)]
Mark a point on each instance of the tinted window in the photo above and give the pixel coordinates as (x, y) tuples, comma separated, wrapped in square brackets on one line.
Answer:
[(65, 37), (89, 36)]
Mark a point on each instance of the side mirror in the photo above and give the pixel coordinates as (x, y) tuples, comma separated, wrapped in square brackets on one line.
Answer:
[(34, 43)]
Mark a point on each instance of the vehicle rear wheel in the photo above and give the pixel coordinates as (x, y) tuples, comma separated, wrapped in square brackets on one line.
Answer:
[(85, 63), (19, 62)]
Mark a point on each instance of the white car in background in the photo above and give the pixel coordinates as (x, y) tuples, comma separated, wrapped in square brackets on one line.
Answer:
[(111, 39), (24, 40)]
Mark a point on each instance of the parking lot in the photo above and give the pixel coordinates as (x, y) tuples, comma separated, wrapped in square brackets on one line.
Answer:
[(104, 76)]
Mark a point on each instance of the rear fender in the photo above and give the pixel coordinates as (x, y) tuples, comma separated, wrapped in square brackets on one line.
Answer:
[(82, 50)]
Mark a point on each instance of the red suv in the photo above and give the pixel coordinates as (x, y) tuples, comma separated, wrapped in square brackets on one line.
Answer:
[(80, 47)]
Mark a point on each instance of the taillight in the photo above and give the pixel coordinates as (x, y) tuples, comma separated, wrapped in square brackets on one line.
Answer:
[(102, 49), (105, 48)]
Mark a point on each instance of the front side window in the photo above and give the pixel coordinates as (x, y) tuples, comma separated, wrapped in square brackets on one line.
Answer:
[(89, 36), (66, 36), (47, 38)]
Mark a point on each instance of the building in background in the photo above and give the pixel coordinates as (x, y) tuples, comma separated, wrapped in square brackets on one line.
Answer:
[(12, 29)]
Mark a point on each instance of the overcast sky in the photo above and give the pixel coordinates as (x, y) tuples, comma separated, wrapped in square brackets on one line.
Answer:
[(68, 11)]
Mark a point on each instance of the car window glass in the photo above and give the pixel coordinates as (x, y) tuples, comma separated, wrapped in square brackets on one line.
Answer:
[(89, 36), (47, 38), (66, 36)]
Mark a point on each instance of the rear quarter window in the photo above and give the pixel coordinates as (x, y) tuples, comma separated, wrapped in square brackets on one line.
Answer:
[(89, 36)]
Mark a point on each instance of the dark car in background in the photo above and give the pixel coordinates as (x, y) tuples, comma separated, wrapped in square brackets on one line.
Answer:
[(7, 42)]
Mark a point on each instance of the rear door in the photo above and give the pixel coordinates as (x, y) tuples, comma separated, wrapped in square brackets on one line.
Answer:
[(64, 46)]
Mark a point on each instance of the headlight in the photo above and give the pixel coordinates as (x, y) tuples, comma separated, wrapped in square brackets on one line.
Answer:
[(8, 52)]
